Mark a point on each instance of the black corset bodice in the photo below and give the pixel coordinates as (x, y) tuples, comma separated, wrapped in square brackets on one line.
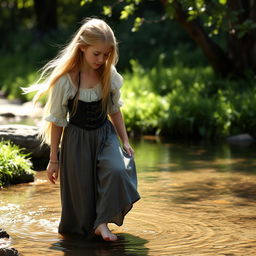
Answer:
[(88, 115)]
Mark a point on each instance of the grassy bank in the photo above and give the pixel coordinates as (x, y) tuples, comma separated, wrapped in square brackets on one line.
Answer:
[(15, 167)]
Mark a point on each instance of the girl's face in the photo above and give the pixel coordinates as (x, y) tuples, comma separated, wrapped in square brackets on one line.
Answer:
[(96, 55)]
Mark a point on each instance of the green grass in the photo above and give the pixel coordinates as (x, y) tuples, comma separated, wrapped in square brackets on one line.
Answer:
[(15, 166)]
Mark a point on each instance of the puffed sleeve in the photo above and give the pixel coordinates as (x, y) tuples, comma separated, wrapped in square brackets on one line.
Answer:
[(115, 94), (56, 107)]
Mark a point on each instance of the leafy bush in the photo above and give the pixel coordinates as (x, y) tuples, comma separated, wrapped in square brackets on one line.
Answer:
[(177, 101), (15, 167), (187, 102)]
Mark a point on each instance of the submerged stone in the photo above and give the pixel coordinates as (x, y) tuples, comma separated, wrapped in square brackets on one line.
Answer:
[(3, 234), (5, 241), (9, 252)]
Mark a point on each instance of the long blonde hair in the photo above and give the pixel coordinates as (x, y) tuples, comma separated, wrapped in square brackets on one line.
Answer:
[(92, 32)]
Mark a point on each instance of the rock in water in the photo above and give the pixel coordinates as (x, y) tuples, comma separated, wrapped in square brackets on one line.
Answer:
[(3, 234), (5, 241), (242, 139), (9, 252), (27, 137)]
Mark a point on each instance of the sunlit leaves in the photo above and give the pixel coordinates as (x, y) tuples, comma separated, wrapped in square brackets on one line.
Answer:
[(200, 4), (134, 1), (211, 13), (107, 11), (14, 163), (147, 113), (83, 2), (127, 11), (214, 15), (188, 105), (137, 23), (192, 13), (25, 4), (223, 2)]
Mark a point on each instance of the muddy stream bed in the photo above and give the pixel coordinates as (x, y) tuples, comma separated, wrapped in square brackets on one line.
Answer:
[(197, 199)]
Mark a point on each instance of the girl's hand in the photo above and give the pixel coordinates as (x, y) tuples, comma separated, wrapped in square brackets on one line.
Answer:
[(128, 149), (53, 171)]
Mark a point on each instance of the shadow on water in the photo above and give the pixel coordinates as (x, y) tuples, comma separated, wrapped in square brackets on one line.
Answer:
[(127, 244)]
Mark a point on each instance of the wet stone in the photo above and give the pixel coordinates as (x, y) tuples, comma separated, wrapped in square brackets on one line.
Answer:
[(3, 234), (8, 252), (4, 241), (240, 138), (27, 137)]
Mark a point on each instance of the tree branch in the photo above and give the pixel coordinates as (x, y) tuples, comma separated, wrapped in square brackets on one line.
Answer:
[(214, 53)]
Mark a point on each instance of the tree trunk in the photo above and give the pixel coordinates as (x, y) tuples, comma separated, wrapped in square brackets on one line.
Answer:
[(215, 55), (46, 15), (241, 53)]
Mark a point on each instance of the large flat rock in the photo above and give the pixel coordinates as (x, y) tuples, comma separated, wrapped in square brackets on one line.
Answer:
[(26, 137)]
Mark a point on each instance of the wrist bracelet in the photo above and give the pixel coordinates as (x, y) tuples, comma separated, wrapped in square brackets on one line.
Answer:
[(54, 162)]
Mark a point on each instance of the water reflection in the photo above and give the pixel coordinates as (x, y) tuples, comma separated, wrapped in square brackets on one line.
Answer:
[(188, 156), (197, 199), (77, 246)]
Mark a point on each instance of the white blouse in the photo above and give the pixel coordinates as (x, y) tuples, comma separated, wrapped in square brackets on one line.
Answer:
[(65, 89)]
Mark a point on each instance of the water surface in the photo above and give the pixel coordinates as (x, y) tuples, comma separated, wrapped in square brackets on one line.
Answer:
[(197, 199)]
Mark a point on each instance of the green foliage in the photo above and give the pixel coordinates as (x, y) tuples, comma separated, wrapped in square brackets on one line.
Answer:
[(107, 11), (137, 24), (212, 13), (21, 4), (127, 11), (13, 79), (245, 27), (83, 2), (18, 66), (144, 110), (14, 164), (185, 99), (187, 102), (223, 2)]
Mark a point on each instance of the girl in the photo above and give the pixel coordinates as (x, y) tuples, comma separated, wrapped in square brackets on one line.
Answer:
[(97, 177)]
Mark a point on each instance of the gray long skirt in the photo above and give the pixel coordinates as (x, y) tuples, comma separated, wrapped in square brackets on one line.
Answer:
[(98, 180)]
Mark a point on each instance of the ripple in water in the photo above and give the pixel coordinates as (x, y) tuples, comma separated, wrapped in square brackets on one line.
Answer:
[(199, 212)]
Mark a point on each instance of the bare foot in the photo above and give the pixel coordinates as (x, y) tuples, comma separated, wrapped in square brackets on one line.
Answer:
[(103, 230)]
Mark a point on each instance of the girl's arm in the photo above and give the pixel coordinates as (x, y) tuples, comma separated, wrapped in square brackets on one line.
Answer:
[(53, 166), (118, 122)]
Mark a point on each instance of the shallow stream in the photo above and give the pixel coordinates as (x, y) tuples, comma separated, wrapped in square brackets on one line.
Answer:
[(197, 199)]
